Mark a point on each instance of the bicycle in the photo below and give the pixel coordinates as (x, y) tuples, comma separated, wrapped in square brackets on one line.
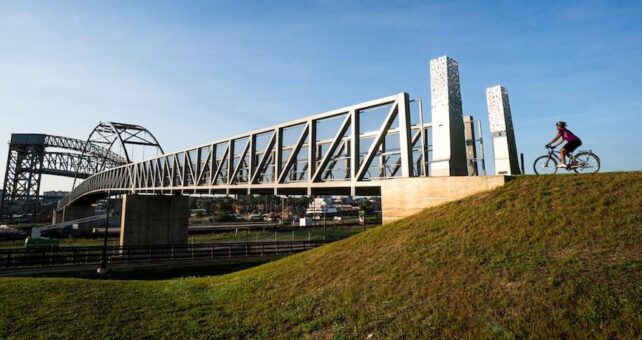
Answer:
[(585, 161)]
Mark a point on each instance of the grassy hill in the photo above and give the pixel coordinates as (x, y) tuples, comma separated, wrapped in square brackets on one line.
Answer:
[(545, 256)]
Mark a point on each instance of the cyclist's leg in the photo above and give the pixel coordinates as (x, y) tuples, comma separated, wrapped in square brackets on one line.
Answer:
[(568, 148), (563, 155), (571, 146)]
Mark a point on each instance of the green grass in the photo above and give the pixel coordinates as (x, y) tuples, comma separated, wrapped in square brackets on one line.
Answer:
[(546, 256)]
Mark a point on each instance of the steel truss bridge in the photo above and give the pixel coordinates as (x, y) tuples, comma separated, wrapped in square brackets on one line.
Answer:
[(33, 155), (345, 151)]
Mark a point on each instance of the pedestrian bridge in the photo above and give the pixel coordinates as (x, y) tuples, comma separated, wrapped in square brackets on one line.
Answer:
[(348, 151)]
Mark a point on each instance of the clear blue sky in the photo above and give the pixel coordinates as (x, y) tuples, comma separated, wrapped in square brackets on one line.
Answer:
[(193, 72)]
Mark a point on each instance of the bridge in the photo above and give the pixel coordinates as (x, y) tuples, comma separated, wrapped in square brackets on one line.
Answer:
[(33, 155), (373, 148), (347, 151)]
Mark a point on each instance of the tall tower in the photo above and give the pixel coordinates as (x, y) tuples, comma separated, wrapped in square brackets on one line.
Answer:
[(501, 129), (449, 145)]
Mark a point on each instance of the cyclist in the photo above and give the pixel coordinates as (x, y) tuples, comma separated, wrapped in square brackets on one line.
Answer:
[(572, 142)]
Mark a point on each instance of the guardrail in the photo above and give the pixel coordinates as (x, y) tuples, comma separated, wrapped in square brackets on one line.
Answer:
[(58, 256)]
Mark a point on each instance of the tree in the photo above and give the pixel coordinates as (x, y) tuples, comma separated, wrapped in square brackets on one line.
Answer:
[(366, 206), (223, 211)]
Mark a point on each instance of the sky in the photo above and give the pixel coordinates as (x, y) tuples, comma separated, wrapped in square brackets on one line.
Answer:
[(194, 72)]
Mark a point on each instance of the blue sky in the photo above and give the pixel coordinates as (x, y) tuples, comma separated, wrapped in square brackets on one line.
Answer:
[(193, 72)]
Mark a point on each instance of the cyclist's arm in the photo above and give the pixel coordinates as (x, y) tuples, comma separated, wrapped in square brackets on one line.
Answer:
[(559, 135)]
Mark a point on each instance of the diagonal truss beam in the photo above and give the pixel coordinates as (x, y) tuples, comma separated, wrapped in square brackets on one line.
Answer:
[(232, 178), (333, 146), (392, 114), (225, 157), (266, 155), (295, 153)]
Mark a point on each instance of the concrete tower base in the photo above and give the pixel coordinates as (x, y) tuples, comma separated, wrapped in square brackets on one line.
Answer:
[(154, 220)]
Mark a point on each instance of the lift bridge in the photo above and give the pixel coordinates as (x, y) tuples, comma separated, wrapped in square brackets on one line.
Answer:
[(380, 147)]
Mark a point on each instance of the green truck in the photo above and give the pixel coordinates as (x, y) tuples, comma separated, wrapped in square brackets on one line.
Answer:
[(40, 243)]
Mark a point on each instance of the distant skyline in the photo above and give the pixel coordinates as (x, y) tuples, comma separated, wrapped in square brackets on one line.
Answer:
[(193, 72)]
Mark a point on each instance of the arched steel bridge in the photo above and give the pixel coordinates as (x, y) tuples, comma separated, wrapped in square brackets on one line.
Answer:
[(344, 151), (33, 155)]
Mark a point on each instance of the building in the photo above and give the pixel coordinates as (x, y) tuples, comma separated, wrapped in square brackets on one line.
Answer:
[(49, 197)]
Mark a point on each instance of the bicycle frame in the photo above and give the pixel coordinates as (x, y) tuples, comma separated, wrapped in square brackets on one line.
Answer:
[(552, 153), (555, 154)]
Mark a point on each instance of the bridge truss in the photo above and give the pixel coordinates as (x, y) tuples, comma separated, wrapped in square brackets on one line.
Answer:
[(344, 151)]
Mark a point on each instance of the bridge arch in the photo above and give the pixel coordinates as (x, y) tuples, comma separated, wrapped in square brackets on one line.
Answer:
[(108, 136)]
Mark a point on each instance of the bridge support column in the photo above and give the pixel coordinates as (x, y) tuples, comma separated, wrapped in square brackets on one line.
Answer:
[(154, 220)]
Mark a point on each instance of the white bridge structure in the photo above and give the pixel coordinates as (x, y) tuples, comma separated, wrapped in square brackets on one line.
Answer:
[(348, 151)]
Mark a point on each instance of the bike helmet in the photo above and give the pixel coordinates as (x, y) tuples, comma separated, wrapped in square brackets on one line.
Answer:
[(560, 123)]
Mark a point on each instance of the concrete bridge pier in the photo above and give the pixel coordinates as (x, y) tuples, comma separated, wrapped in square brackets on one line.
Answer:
[(154, 220)]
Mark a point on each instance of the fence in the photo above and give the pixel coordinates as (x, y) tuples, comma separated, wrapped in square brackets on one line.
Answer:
[(55, 256)]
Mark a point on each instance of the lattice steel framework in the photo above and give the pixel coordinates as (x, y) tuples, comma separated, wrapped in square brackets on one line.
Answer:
[(33, 155), (344, 151)]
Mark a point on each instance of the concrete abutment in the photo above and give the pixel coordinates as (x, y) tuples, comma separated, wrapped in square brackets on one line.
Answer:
[(154, 220), (407, 196)]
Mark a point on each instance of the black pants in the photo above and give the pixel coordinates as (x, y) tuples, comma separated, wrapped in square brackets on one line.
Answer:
[(571, 146)]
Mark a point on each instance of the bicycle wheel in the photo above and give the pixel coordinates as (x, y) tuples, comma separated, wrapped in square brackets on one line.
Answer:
[(585, 163), (545, 165)]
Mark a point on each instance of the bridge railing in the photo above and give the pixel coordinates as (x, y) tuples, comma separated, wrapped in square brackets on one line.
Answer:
[(61, 256)]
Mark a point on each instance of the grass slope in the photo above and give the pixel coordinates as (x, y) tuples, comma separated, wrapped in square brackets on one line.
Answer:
[(545, 256)]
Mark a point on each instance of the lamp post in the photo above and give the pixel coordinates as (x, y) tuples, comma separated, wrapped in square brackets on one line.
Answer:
[(325, 208), (282, 214), (103, 261)]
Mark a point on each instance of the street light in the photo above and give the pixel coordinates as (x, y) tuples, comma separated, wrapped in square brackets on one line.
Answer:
[(103, 261), (325, 208)]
